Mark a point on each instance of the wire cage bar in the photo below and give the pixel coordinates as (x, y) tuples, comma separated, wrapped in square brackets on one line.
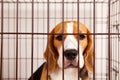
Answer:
[(25, 26)]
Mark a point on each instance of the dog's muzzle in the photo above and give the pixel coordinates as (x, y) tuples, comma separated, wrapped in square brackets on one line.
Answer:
[(70, 54)]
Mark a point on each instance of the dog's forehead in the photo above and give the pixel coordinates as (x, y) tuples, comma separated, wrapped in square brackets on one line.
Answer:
[(70, 24), (82, 28)]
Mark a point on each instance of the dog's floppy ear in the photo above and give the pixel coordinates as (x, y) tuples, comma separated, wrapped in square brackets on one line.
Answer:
[(89, 53), (50, 53)]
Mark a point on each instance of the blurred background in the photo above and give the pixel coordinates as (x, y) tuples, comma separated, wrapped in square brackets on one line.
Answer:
[(24, 24)]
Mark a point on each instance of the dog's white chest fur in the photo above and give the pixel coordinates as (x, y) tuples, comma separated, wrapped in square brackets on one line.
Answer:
[(69, 74)]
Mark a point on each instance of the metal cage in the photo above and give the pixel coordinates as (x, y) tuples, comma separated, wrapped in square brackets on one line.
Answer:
[(25, 26)]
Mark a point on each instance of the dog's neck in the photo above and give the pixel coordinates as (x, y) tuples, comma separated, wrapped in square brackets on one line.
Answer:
[(69, 74)]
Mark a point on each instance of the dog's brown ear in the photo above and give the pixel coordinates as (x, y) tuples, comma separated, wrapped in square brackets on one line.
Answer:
[(50, 53), (89, 53)]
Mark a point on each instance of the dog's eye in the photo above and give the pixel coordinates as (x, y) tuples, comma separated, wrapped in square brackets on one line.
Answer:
[(59, 37), (81, 36)]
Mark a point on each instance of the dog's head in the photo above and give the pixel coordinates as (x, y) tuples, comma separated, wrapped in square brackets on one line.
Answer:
[(64, 48)]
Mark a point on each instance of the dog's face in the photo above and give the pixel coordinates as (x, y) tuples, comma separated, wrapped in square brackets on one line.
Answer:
[(67, 45), (73, 48)]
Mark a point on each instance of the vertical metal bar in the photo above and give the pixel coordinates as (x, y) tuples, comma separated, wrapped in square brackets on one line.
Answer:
[(8, 39), (43, 12), (37, 4), (32, 41), (115, 55), (63, 38), (26, 39), (14, 35), (20, 19), (118, 39), (109, 54), (78, 35), (101, 40), (1, 54), (17, 40), (112, 40), (48, 17), (118, 55), (112, 29), (94, 36)]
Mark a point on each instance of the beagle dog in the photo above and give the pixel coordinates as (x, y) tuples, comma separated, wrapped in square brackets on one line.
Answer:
[(69, 56)]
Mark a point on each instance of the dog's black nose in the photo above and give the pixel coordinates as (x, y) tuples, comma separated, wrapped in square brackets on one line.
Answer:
[(70, 54)]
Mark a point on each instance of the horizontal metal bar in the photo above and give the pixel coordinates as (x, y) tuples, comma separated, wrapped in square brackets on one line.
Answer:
[(27, 78), (115, 1), (56, 18), (46, 38), (22, 58), (90, 2), (24, 33)]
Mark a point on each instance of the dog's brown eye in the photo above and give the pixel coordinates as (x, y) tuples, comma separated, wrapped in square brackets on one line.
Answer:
[(81, 36), (59, 37)]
